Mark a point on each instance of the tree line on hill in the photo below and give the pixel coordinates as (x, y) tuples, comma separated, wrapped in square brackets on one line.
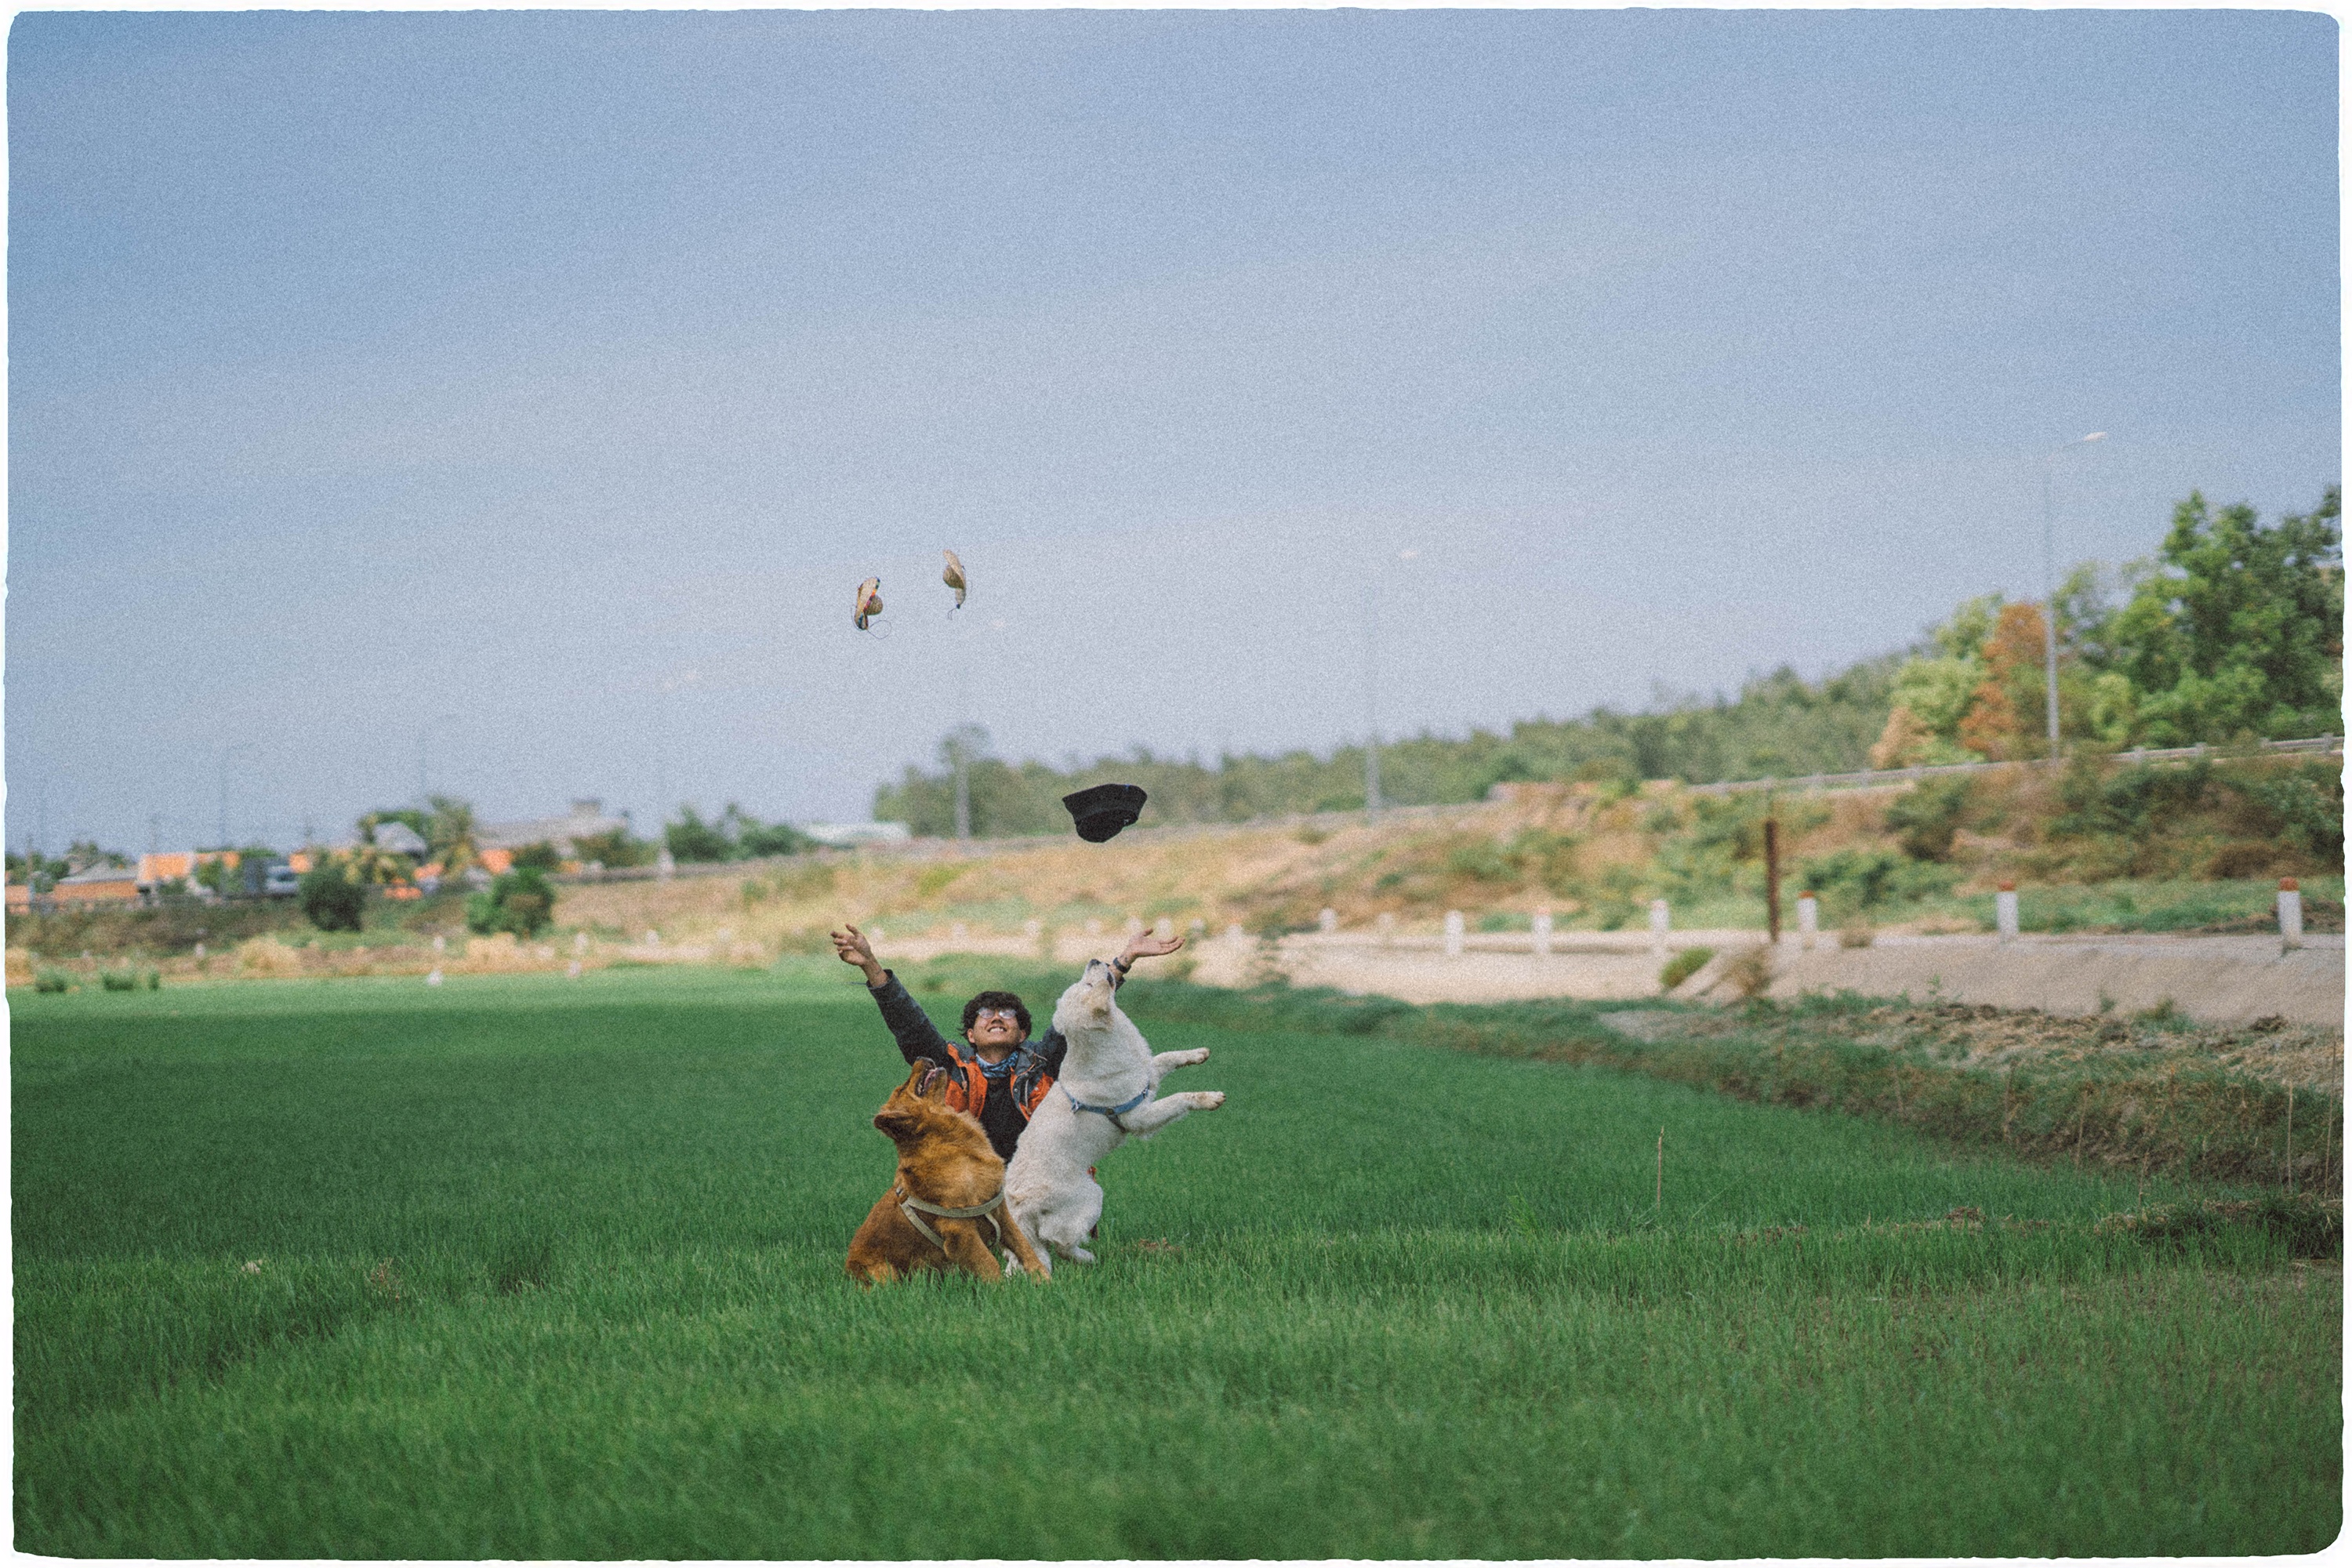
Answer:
[(2232, 630)]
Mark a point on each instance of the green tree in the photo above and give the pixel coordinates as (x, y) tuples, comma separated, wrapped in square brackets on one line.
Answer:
[(618, 848), (331, 900), (448, 834), (690, 838), (2238, 629), (521, 901), (372, 864), (539, 857)]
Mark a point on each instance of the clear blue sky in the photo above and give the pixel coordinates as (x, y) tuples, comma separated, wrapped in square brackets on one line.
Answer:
[(543, 384)]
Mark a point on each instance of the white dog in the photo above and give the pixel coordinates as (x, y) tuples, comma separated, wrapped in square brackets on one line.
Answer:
[(1102, 1099)]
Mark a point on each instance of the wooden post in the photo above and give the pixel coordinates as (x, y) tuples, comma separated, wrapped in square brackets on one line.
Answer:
[(1660, 1204), (1772, 880), (2290, 1140)]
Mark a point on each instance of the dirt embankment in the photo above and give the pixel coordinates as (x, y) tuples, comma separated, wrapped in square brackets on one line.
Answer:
[(2304, 1055)]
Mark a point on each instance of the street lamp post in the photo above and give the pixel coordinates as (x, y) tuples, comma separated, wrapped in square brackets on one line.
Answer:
[(232, 749), (2050, 588)]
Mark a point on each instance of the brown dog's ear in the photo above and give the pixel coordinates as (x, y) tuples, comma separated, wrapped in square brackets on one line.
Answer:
[(892, 1120)]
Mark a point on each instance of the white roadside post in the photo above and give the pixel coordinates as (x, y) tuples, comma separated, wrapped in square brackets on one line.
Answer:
[(2004, 910), (1539, 932), (1454, 933), (2290, 913), (1326, 920), (1809, 921), (1661, 922)]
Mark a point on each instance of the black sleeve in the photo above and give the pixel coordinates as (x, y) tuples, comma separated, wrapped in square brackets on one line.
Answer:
[(1051, 1050), (919, 1038)]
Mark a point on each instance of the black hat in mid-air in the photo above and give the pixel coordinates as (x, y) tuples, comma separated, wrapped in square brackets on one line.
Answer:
[(1103, 810)]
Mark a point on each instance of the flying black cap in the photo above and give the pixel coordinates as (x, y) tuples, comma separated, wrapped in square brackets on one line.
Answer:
[(1103, 810)]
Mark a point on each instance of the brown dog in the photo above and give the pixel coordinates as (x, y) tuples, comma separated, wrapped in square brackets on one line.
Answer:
[(946, 1208)]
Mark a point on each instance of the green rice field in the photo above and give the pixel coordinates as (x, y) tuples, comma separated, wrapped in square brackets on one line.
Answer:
[(530, 1267)]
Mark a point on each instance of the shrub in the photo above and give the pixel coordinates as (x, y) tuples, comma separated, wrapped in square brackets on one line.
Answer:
[(1928, 817), (691, 839), (1682, 965), (53, 980), (521, 901), (1750, 973), (811, 879), (760, 839), (2304, 810), (539, 857), (331, 900), (2245, 857), (1854, 880), (614, 848), (118, 980)]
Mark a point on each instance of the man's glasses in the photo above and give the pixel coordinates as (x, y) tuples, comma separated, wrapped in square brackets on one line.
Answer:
[(985, 1014)]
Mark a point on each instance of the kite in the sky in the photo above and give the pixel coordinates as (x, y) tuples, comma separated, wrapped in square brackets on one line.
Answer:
[(869, 601), (953, 577), (1102, 811)]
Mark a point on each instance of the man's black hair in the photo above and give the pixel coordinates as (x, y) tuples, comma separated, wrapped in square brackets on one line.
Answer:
[(995, 999)]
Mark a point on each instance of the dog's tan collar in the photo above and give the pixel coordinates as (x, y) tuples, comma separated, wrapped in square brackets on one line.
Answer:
[(909, 1203)]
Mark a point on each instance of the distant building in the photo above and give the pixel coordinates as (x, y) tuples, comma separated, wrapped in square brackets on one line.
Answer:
[(159, 871), (586, 819), (850, 834), (99, 885), (399, 839)]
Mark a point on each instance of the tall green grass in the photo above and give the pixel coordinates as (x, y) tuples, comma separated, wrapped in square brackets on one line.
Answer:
[(555, 1269)]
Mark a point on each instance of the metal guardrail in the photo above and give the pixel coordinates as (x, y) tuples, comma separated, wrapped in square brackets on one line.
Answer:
[(1880, 777)]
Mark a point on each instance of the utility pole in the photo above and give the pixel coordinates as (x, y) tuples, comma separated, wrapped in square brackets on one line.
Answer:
[(962, 793), (2050, 603), (232, 749), (2050, 589), (963, 754), (1371, 700), (1771, 875)]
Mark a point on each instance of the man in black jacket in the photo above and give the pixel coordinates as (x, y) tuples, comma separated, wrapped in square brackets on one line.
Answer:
[(994, 1072)]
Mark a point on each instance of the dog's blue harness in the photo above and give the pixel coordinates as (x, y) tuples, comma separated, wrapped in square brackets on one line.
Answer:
[(1113, 1113)]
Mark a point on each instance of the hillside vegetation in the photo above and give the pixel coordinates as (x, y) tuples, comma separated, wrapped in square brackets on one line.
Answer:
[(2232, 631), (2156, 846)]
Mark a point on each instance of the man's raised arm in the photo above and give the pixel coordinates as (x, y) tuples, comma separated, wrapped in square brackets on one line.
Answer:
[(919, 1038)]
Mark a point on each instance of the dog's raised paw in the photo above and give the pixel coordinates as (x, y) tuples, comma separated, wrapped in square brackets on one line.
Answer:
[(1209, 1099)]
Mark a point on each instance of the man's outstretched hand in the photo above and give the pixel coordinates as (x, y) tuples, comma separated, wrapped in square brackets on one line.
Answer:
[(1143, 944), (851, 944)]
